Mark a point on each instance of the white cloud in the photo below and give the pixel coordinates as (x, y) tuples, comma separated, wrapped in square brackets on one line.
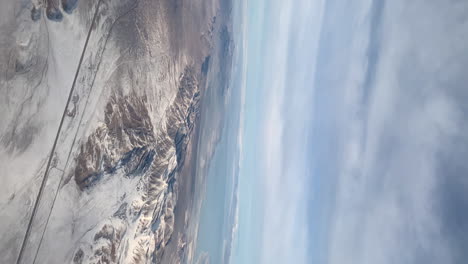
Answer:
[(282, 145), (389, 194)]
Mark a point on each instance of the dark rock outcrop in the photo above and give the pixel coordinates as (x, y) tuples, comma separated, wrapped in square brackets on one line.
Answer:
[(129, 142)]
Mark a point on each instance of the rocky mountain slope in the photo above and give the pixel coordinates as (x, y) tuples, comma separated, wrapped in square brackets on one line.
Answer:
[(99, 102)]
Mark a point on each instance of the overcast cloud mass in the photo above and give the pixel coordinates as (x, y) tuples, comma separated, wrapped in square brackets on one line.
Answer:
[(402, 182), (361, 146)]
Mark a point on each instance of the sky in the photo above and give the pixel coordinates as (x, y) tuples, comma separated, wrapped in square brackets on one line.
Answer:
[(353, 141)]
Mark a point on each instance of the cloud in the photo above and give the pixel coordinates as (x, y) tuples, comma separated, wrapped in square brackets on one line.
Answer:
[(278, 213), (401, 116), (203, 258), (375, 113), (282, 148)]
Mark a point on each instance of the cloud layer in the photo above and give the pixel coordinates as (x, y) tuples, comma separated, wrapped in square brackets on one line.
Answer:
[(361, 145), (290, 34), (395, 76)]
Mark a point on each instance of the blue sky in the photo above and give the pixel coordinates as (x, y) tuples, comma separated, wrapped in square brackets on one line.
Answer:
[(353, 142)]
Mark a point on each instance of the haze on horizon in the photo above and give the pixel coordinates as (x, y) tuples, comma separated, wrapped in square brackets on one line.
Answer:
[(353, 132)]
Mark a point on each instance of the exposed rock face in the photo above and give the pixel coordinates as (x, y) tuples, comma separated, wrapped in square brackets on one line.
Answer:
[(125, 136), (52, 8), (112, 162), (127, 141)]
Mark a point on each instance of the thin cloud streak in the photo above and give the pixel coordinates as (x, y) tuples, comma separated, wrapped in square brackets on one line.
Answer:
[(282, 165)]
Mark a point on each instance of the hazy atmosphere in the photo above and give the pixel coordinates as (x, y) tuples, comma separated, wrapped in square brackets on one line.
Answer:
[(219, 131), (357, 113)]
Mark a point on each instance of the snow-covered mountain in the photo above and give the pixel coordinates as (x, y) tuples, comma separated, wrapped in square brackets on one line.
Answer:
[(99, 101)]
